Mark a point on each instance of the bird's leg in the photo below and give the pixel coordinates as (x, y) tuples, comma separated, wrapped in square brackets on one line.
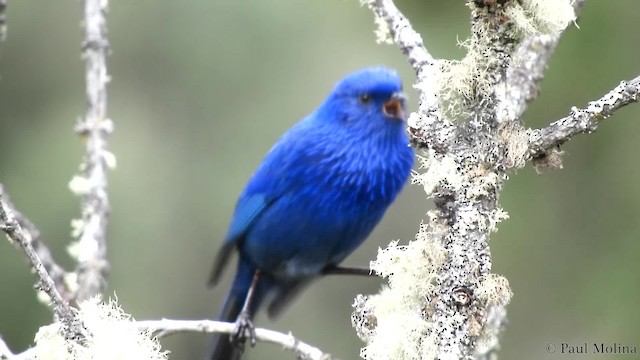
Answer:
[(346, 270), (244, 326)]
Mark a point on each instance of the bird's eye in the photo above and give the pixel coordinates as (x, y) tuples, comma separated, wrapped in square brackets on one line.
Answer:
[(364, 98)]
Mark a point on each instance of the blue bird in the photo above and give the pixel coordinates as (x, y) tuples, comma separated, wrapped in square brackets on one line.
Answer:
[(317, 195)]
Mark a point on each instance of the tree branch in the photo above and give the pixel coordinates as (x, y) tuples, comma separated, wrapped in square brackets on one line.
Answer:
[(427, 126), (167, 327), (91, 247), (583, 120), (447, 304), (56, 272), (63, 312)]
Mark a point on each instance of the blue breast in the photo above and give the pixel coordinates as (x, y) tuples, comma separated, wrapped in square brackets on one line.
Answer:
[(321, 202)]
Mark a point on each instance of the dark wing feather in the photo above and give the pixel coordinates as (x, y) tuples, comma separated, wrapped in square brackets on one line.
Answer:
[(247, 211), (222, 259)]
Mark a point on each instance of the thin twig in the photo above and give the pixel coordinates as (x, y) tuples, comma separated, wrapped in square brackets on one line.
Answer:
[(167, 327), (61, 308), (583, 120), (92, 184), (409, 40), (56, 272)]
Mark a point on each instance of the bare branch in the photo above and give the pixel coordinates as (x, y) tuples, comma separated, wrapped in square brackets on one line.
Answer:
[(91, 248), (56, 272), (427, 126), (583, 120), (409, 41), (167, 327), (61, 308)]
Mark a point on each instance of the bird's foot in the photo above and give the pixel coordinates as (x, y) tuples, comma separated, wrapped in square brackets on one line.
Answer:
[(244, 330)]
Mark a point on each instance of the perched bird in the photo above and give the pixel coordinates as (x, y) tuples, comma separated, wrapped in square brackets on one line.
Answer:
[(317, 195)]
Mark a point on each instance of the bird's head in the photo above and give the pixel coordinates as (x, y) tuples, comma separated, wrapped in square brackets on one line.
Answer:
[(371, 98)]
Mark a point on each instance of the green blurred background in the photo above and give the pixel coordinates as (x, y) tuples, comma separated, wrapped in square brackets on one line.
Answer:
[(201, 89)]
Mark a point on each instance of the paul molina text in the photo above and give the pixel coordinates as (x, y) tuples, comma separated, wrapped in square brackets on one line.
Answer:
[(598, 348)]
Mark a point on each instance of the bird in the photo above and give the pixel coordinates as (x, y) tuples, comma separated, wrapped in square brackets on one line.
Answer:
[(317, 195)]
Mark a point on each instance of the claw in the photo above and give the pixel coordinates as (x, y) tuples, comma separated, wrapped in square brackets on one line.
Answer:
[(244, 329)]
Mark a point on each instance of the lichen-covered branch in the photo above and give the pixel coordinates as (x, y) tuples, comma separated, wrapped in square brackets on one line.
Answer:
[(57, 273), (91, 247), (64, 313), (167, 327), (583, 120), (443, 301)]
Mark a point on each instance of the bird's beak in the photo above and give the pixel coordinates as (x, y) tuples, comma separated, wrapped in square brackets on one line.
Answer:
[(394, 108)]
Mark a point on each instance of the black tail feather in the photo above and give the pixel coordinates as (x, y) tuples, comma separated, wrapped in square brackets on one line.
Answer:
[(221, 347)]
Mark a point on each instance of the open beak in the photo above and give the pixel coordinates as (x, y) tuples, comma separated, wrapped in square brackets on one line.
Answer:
[(394, 108)]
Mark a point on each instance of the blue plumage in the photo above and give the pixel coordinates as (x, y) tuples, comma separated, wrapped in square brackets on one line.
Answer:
[(318, 193)]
